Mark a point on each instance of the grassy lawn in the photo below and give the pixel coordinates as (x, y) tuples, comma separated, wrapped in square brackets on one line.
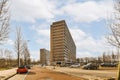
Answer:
[(5, 68)]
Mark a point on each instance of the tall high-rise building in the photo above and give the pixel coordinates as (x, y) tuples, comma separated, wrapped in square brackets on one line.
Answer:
[(63, 48), (44, 57)]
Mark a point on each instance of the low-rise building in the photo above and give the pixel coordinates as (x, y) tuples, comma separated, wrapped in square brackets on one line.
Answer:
[(44, 57)]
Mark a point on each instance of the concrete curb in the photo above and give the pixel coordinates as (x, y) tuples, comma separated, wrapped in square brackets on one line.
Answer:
[(10, 76)]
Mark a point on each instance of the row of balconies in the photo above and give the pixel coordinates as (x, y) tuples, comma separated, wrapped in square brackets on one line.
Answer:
[(58, 28), (62, 44), (58, 24)]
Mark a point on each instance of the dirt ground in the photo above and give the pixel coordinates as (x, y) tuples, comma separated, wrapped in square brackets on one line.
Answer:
[(37, 73), (104, 73), (108, 68), (66, 73)]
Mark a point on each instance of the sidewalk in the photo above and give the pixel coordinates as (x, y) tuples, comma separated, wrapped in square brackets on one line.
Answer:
[(4, 74)]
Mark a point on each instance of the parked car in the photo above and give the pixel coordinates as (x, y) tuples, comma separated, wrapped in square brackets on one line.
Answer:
[(31, 65), (75, 66), (28, 66), (109, 64), (91, 66), (22, 69)]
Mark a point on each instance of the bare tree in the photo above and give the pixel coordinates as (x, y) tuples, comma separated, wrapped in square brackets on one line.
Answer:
[(86, 59), (4, 19), (113, 56), (26, 53), (19, 44), (104, 57), (114, 25), (1, 53), (5, 55), (8, 56)]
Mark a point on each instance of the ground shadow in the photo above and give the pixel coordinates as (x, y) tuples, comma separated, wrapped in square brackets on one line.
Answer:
[(31, 73), (54, 72), (45, 78), (2, 77)]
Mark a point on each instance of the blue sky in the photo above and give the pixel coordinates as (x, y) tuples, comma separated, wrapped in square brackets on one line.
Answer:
[(86, 20)]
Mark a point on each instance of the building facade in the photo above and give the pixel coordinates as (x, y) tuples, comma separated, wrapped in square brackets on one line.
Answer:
[(63, 48), (44, 57)]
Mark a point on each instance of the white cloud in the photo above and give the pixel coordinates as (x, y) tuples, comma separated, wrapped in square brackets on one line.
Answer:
[(25, 10), (88, 11), (87, 45), (44, 32), (44, 43), (44, 39), (35, 55), (84, 54), (10, 42), (7, 42)]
